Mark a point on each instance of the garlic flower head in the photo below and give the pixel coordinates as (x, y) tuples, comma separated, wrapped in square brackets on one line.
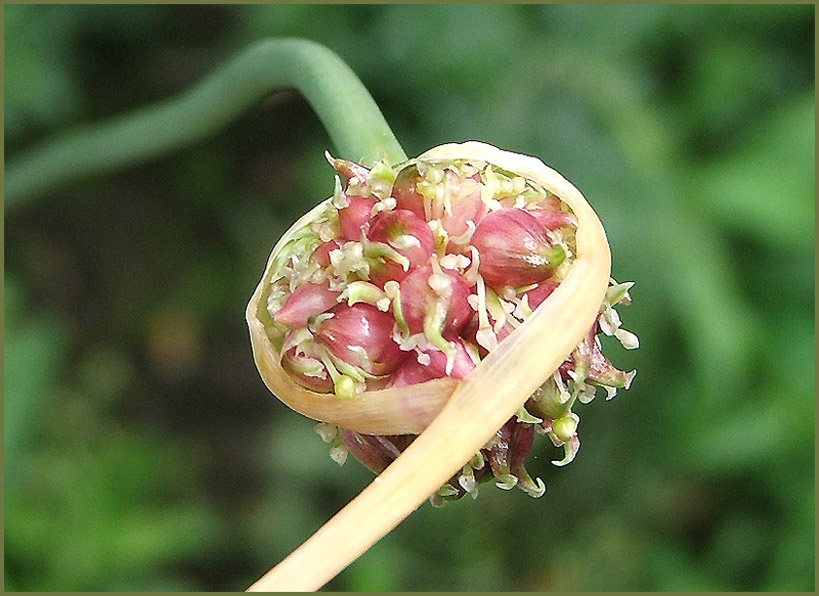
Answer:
[(379, 300)]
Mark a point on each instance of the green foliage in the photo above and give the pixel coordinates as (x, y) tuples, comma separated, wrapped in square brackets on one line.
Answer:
[(142, 452)]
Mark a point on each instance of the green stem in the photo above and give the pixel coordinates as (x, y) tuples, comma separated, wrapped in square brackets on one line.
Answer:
[(355, 124)]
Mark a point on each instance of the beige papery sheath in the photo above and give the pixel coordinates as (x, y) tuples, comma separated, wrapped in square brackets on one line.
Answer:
[(455, 417)]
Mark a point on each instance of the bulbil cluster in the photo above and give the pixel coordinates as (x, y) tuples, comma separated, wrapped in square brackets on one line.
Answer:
[(415, 273)]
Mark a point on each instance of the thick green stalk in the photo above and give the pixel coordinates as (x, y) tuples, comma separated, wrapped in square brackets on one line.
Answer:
[(355, 124)]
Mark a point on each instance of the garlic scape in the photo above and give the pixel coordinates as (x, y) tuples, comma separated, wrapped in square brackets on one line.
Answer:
[(381, 300), (477, 383)]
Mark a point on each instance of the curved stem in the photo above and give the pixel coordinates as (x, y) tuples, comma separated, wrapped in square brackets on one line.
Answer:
[(355, 124)]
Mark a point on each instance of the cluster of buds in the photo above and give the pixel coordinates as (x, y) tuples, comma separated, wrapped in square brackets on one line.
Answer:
[(417, 272)]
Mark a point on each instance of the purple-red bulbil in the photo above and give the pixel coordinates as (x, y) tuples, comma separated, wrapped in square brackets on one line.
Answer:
[(407, 235), (514, 249), (439, 299), (306, 301), (412, 371), (322, 253), (361, 335), (354, 219)]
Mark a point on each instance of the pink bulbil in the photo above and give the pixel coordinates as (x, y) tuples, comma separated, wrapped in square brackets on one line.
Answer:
[(306, 301), (361, 335), (514, 250)]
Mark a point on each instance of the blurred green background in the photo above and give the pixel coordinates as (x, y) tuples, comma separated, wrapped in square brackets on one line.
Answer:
[(143, 452)]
